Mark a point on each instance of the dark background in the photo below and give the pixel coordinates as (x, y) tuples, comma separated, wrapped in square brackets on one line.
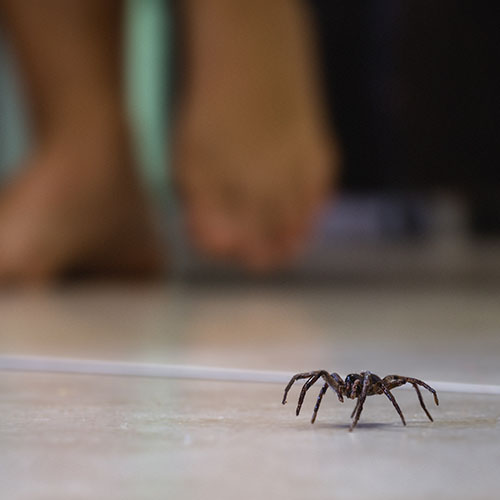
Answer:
[(413, 91)]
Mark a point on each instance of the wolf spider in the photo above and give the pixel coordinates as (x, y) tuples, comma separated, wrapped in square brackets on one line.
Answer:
[(357, 386)]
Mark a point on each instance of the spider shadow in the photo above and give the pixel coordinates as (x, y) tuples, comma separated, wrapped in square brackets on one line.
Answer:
[(361, 425)]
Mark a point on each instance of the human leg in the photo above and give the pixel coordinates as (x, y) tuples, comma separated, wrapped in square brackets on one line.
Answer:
[(253, 157), (78, 203)]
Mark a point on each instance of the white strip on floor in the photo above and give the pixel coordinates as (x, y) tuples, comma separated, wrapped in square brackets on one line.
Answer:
[(103, 367)]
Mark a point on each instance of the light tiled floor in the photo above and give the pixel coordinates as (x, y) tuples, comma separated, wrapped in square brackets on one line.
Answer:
[(83, 436)]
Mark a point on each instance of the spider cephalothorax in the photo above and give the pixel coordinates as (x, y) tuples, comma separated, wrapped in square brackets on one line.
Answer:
[(357, 386)]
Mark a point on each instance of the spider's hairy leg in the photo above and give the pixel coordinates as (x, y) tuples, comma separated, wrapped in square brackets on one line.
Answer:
[(322, 392), (392, 399), (415, 381), (296, 377), (361, 399), (334, 381), (422, 404), (355, 409), (305, 388), (340, 384), (393, 381), (355, 386)]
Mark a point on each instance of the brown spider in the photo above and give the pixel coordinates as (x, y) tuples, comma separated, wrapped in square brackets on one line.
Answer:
[(357, 386)]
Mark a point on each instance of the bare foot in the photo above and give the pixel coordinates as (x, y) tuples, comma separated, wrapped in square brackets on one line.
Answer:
[(252, 195), (77, 207), (253, 159)]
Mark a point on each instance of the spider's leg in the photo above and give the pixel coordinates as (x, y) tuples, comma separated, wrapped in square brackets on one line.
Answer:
[(392, 399), (423, 384), (358, 384), (305, 388), (334, 380), (318, 402), (422, 404), (296, 377), (361, 400), (355, 409)]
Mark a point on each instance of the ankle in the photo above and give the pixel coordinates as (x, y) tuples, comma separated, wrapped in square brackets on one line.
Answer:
[(84, 120)]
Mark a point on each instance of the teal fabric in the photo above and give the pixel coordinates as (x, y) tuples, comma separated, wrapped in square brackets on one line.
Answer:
[(148, 39), (13, 127)]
